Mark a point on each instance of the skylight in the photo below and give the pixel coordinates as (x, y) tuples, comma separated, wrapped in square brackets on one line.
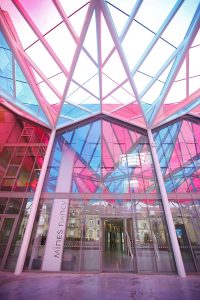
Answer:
[(129, 58)]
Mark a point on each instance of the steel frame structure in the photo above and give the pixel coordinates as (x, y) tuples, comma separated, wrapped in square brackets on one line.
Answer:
[(99, 8)]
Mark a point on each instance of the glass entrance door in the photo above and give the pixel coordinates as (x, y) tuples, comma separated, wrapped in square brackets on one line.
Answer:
[(117, 245), (7, 228)]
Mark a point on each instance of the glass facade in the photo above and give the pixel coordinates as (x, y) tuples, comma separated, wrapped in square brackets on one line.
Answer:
[(106, 158), (178, 147), (22, 150), (100, 136)]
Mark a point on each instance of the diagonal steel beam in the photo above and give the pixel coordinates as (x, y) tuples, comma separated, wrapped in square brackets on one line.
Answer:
[(23, 66), (37, 32), (19, 109), (126, 27), (184, 103), (157, 36), (77, 53), (190, 35), (70, 28), (120, 51), (99, 49)]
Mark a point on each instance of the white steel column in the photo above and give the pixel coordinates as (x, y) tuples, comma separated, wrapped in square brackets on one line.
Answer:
[(53, 255), (167, 211), (36, 198)]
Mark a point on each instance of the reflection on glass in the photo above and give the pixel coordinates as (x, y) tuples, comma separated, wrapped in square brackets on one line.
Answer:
[(108, 158)]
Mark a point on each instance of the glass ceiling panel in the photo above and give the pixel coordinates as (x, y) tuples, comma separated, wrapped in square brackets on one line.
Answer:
[(48, 94), (6, 67), (62, 44), (43, 59), (177, 92), (196, 40), (70, 113), (107, 43), (22, 94), (25, 33), (141, 80), (123, 95), (119, 18), (43, 13), (126, 5), (117, 73), (154, 61), (90, 42), (194, 84), (25, 95), (194, 62), (153, 12), (181, 21), (84, 63), (90, 81), (135, 43), (107, 84), (59, 81), (77, 19), (71, 7)]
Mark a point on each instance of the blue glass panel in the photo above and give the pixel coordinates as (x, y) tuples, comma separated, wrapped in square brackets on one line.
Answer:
[(6, 68), (3, 42), (63, 121), (73, 112), (7, 85), (95, 108), (95, 162)]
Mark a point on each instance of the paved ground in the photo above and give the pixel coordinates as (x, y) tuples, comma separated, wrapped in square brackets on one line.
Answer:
[(98, 286)]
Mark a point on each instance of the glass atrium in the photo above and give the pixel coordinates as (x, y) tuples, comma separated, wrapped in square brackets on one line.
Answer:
[(100, 136)]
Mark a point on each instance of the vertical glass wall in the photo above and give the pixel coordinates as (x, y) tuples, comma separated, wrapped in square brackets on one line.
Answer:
[(107, 236), (22, 150), (178, 147), (101, 234), (106, 158), (13, 218), (23, 146)]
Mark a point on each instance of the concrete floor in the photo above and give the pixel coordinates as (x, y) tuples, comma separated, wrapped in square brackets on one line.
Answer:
[(98, 286)]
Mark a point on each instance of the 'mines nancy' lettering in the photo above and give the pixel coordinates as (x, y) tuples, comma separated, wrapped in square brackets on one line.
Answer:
[(60, 230)]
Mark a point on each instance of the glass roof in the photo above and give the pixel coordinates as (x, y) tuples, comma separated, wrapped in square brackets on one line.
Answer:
[(62, 61)]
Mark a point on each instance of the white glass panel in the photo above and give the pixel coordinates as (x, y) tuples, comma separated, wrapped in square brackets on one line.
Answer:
[(119, 18), (178, 27), (194, 62), (153, 93), (135, 43), (141, 81), (158, 55), (182, 72), (23, 30), (72, 6), (43, 13), (59, 81), (107, 84), (93, 85), (153, 12), (90, 42), (78, 19), (85, 69), (194, 84), (62, 43), (106, 40), (177, 92), (125, 5), (48, 93), (114, 68), (43, 60)]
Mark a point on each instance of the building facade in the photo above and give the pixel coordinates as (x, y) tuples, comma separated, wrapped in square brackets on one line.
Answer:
[(99, 156)]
